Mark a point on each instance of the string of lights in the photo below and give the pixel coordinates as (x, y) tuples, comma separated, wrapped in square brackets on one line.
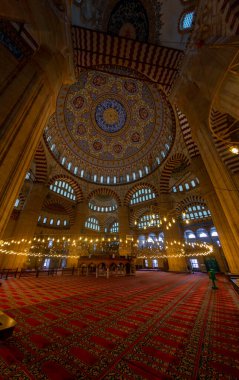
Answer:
[(41, 247)]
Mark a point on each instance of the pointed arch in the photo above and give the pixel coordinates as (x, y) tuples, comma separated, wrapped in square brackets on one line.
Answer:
[(137, 187), (40, 164), (171, 164), (70, 181), (223, 127), (105, 191), (136, 214), (61, 204), (191, 202), (187, 134)]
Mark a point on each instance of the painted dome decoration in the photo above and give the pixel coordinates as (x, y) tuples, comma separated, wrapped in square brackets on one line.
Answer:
[(107, 127), (129, 19), (110, 115)]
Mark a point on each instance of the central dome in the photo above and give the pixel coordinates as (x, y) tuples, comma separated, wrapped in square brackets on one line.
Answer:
[(110, 128)]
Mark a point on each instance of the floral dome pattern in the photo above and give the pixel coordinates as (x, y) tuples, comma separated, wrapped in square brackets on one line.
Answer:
[(109, 127)]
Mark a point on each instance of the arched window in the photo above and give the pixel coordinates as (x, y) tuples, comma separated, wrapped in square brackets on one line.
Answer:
[(214, 236), (213, 232), (203, 235), (138, 198), (196, 212), (92, 224), (186, 185), (63, 188), (141, 241), (186, 21), (16, 204), (92, 206), (189, 236), (149, 220), (114, 228), (161, 239), (50, 244), (28, 175)]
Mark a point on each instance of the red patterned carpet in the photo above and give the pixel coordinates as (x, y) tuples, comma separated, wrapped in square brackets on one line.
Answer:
[(154, 326)]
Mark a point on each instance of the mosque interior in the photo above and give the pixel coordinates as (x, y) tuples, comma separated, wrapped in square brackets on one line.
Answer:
[(119, 134)]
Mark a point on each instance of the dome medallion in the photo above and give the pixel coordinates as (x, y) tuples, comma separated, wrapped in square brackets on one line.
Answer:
[(110, 115)]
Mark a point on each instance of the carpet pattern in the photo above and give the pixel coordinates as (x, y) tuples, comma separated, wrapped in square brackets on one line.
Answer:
[(152, 326)]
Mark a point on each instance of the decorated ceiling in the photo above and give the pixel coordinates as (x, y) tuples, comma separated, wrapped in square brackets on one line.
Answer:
[(110, 129), (152, 21)]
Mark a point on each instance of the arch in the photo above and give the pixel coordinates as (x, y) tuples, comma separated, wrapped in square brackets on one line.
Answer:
[(22, 200), (40, 164), (213, 232), (151, 237), (214, 236), (104, 191), (137, 187), (172, 163), (92, 268), (203, 234), (189, 235), (137, 214), (192, 200), (194, 207), (221, 127), (146, 220), (92, 221), (152, 70), (187, 134), (229, 10), (61, 203), (72, 182), (110, 220), (114, 225)]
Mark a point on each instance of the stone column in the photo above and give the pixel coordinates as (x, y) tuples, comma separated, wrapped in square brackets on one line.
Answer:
[(81, 214), (213, 71), (124, 229), (174, 233), (27, 222), (77, 229), (173, 236), (226, 236), (28, 97), (195, 102)]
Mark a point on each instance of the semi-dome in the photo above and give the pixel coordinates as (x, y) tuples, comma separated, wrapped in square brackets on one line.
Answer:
[(111, 129)]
